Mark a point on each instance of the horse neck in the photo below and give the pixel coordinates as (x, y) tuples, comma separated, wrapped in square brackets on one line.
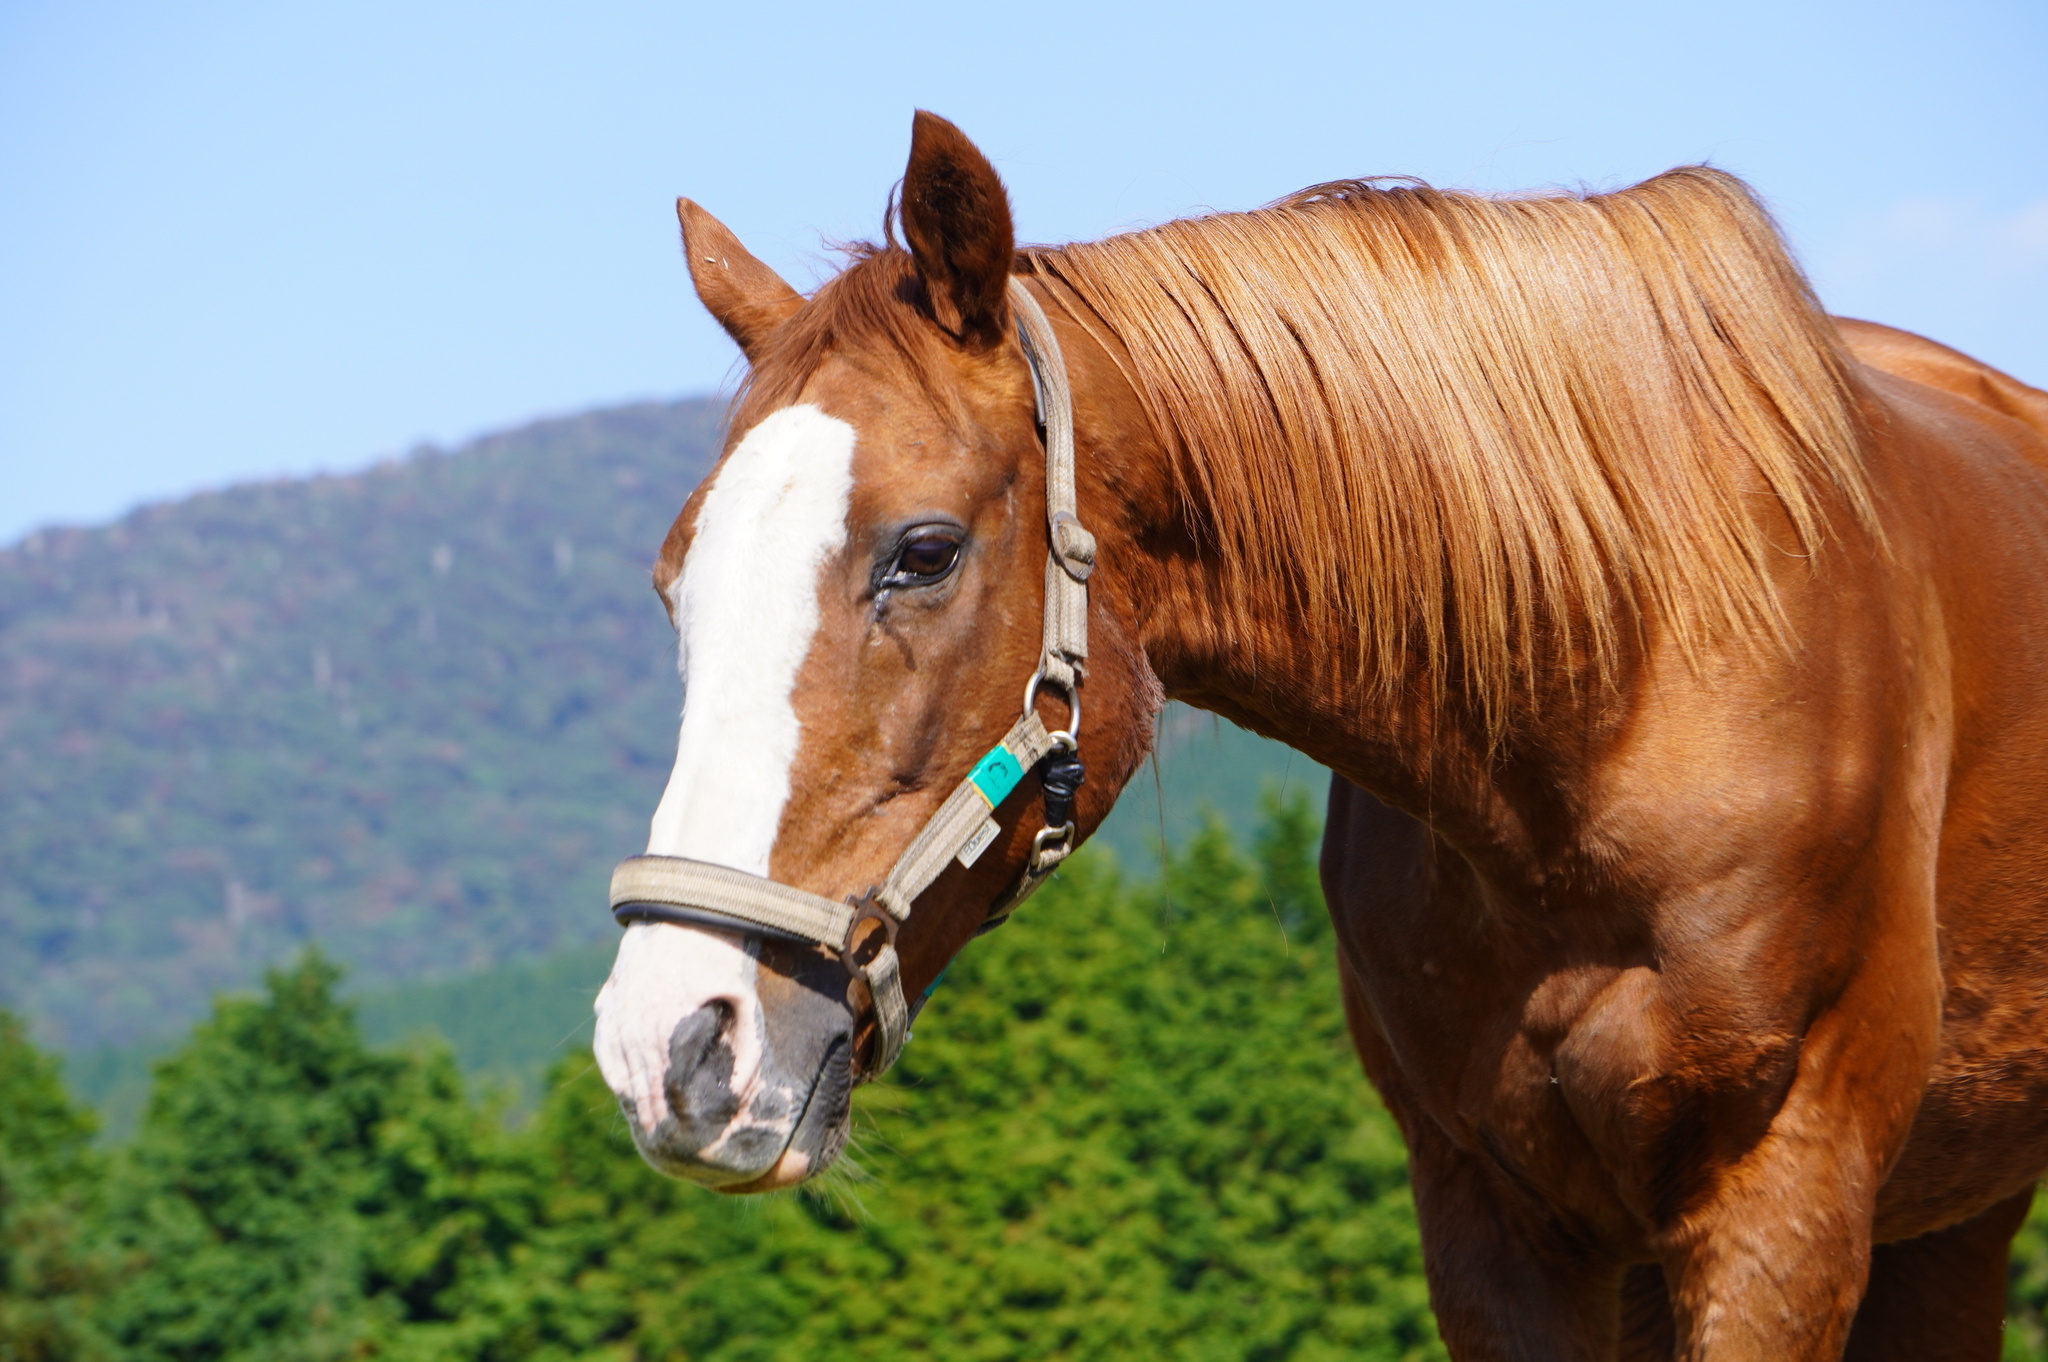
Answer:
[(1298, 678), (1294, 679)]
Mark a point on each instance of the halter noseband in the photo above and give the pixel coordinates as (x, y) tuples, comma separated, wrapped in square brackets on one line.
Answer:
[(861, 930)]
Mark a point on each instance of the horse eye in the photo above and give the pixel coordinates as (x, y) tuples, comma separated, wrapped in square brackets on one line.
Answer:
[(926, 558)]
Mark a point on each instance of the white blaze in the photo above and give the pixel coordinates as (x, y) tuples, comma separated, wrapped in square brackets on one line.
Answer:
[(746, 606)]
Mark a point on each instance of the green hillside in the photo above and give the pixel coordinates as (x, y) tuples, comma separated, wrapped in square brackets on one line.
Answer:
[(413, 714)]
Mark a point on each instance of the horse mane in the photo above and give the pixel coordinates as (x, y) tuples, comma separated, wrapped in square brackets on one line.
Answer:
[(1489, 430)]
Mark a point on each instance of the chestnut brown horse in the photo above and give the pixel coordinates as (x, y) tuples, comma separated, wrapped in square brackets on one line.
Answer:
[(1682, 656)]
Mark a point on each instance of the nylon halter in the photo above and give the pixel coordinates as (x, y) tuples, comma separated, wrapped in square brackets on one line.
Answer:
[(861, 929)]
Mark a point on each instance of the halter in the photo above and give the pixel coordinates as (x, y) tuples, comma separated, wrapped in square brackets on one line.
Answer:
[(862, 929)]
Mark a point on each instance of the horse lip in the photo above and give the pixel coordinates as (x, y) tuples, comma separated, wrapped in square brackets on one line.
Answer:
[(664, 1151), (835, 1074), (777, 1178), (816, 1138), (796, 1164)]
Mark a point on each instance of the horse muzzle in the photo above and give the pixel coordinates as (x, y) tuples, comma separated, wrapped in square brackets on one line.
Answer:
[(731, 1058)]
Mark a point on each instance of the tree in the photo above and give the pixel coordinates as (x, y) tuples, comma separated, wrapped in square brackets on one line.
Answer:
[(50, 1181), (1130, 1125), (291, 1194)]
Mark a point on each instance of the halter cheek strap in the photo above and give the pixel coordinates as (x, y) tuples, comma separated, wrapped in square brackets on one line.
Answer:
[(861, 929)]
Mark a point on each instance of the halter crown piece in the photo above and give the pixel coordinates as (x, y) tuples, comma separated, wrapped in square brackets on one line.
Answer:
[(861, 930)]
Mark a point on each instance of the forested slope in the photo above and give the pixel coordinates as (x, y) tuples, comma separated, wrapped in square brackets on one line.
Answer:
[(412, 713)]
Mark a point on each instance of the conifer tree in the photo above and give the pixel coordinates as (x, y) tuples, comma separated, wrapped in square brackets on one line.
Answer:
[(291, 1194), (50, 1184)]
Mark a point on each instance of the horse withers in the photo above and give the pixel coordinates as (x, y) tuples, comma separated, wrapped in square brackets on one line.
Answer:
[(1681, 653)]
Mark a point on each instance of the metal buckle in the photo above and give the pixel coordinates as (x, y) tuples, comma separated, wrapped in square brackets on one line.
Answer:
[(1070, 735), (856, 953), (1048, 840), (860, 948)]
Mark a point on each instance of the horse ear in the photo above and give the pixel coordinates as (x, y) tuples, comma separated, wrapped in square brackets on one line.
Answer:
[(749, 299), (956, 216)]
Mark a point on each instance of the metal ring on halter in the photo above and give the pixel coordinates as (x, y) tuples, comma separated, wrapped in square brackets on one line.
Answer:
[(1062, 834), (1072, 732), (866, 908)]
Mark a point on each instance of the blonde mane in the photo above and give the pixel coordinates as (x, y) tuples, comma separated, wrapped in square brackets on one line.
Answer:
[(1489, 430)]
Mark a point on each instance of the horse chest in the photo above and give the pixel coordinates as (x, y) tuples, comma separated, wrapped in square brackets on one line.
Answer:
[(1543, 1080), (1542, 1045), (1533, 1069)]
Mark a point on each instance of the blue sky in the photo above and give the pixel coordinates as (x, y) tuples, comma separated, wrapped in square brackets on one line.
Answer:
[(240, 240)]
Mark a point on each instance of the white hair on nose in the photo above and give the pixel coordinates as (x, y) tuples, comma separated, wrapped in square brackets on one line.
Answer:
[(746, 608)]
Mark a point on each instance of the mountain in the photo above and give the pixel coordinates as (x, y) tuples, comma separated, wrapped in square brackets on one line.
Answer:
[(413, 713)]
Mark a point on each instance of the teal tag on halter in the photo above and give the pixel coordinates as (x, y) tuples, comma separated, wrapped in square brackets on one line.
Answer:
[(995, 775)]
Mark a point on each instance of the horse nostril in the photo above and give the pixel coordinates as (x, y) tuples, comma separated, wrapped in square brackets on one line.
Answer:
[(697, 1033), (700, 1061)]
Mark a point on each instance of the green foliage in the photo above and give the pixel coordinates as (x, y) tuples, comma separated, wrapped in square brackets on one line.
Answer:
[(287, 1197), (506, 1026), (49, 1185), (1203, 767), (2026, 1311), (1129, 1126)]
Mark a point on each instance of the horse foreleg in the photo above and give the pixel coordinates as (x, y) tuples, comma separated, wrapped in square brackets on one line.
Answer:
[(1937, 1298), (1773, 1269), (1507, 1282), (1767, 1250), (1941, 1297)]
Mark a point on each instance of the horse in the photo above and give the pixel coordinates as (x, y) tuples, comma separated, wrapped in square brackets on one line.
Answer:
[(1680, 654)]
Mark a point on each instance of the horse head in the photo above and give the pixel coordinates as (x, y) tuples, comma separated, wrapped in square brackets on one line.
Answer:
[(858, 591)]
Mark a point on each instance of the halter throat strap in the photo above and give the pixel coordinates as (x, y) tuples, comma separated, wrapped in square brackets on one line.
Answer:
[(861, 929)]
